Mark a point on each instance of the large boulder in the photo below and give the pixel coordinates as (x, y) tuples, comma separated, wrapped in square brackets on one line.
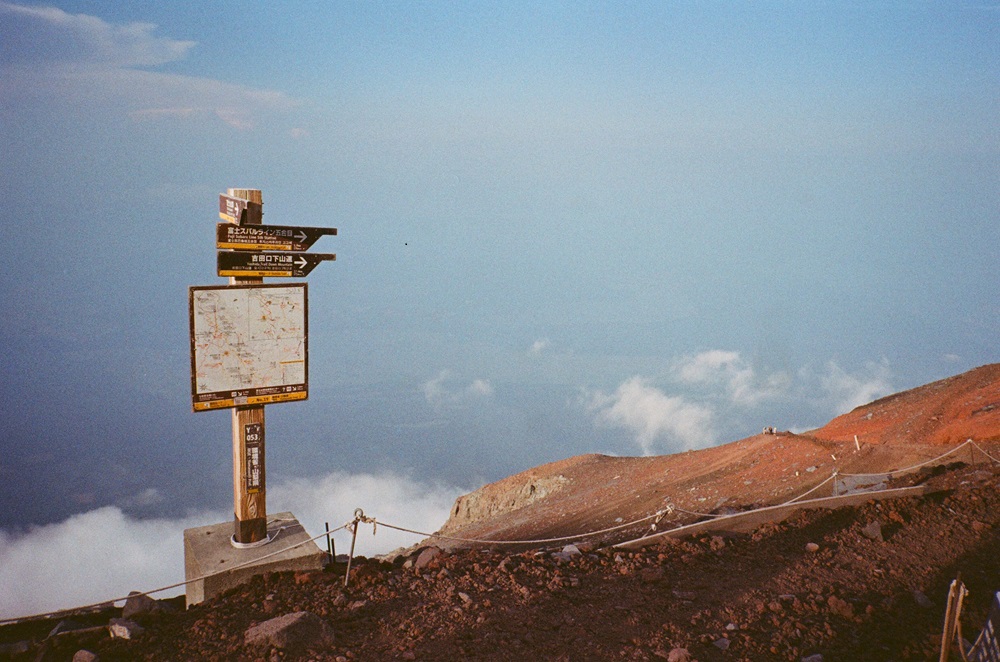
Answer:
[(301, 630)]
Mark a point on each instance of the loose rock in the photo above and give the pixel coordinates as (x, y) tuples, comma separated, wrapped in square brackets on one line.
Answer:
[(299, 630), (123, 628)]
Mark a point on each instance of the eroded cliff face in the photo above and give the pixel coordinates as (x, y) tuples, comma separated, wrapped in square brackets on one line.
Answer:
[(500, 498)]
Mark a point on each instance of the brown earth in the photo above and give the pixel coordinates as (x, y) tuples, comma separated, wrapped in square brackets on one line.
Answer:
[(874, 587)]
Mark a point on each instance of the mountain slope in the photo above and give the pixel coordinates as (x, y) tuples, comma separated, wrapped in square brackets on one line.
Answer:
[(594, 492), (945, 412)]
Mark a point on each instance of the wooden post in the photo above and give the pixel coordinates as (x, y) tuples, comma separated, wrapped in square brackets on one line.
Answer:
[(249, 496), (952, 614)]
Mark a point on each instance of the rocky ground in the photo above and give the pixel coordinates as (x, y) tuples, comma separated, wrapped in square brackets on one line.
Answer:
[(858, 583)]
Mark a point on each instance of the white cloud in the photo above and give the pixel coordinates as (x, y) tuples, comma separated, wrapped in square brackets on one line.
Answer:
[(480, 387), (655, 418), (847, 391), (95, 556), (720, 392), (705, 366), (161, 113), (388, 497), (441, 390), (148, 497), (731, 371), (104, 554), (94, 65), (83, 39), (539, 346)]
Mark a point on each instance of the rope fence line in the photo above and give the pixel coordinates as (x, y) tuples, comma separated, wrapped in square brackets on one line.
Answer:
[(984, 452), (360, 517), (657, 515), (965, 443), (833, 476), (790, 501), (837, 474), (136, 594)]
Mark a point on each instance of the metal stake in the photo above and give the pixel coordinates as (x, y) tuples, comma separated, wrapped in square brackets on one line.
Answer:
[(358, 514)]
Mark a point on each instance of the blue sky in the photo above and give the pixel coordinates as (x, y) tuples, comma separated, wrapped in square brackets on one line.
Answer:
[(564, 228)]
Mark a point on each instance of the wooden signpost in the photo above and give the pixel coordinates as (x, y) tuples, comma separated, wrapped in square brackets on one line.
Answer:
[(249, 507), (246, 267)]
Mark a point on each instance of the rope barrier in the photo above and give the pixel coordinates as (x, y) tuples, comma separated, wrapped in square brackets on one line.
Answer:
[(922, 464), (658, 514), (982, 451), (794, 499)]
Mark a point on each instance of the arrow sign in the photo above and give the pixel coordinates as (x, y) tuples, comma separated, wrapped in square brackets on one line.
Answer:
[(232, 209), (243, 264), (268, 237)]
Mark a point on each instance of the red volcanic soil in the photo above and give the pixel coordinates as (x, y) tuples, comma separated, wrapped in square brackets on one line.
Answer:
[(945, 413), (862, 582)]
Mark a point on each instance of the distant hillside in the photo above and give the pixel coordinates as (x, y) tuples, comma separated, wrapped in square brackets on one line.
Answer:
[(596, 492)]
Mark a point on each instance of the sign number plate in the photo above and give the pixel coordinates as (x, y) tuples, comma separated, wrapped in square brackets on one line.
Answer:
[(254, 434)]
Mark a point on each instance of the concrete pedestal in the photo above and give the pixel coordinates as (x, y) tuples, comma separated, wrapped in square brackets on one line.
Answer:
[(208, 551)]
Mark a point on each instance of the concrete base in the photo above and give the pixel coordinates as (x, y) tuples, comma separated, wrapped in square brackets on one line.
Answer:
[(209, 553)]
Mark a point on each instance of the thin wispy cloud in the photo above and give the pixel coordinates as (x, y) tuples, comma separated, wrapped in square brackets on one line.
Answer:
[(730, 371), (539, 346), (846, 391), (94, 64), (444, 389), (53, 35)]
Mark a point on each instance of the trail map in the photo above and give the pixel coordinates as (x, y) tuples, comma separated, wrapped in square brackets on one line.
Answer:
[(249, 345)]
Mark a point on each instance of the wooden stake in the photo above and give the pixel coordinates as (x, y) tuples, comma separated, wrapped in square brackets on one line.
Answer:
[(952, 614), (249, 496)]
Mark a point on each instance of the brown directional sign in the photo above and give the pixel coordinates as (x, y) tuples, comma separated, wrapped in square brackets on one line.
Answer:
[(244, 264), (268, 237), (231, 209)]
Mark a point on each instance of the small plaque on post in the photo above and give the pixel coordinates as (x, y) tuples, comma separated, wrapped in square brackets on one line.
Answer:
[(254, 435)]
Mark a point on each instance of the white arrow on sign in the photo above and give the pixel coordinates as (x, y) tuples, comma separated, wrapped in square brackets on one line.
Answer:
[(301, 262), (301, 237)]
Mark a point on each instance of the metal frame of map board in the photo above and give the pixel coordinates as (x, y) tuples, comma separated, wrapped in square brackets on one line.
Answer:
[(239, 395)]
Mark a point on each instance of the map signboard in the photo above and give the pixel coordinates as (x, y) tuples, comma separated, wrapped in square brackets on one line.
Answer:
[(249, 345)]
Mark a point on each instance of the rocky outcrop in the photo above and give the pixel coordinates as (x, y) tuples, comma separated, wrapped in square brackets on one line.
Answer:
[(503, 497)]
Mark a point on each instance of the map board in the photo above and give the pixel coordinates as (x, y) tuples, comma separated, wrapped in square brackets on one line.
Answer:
[(249, 345)]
